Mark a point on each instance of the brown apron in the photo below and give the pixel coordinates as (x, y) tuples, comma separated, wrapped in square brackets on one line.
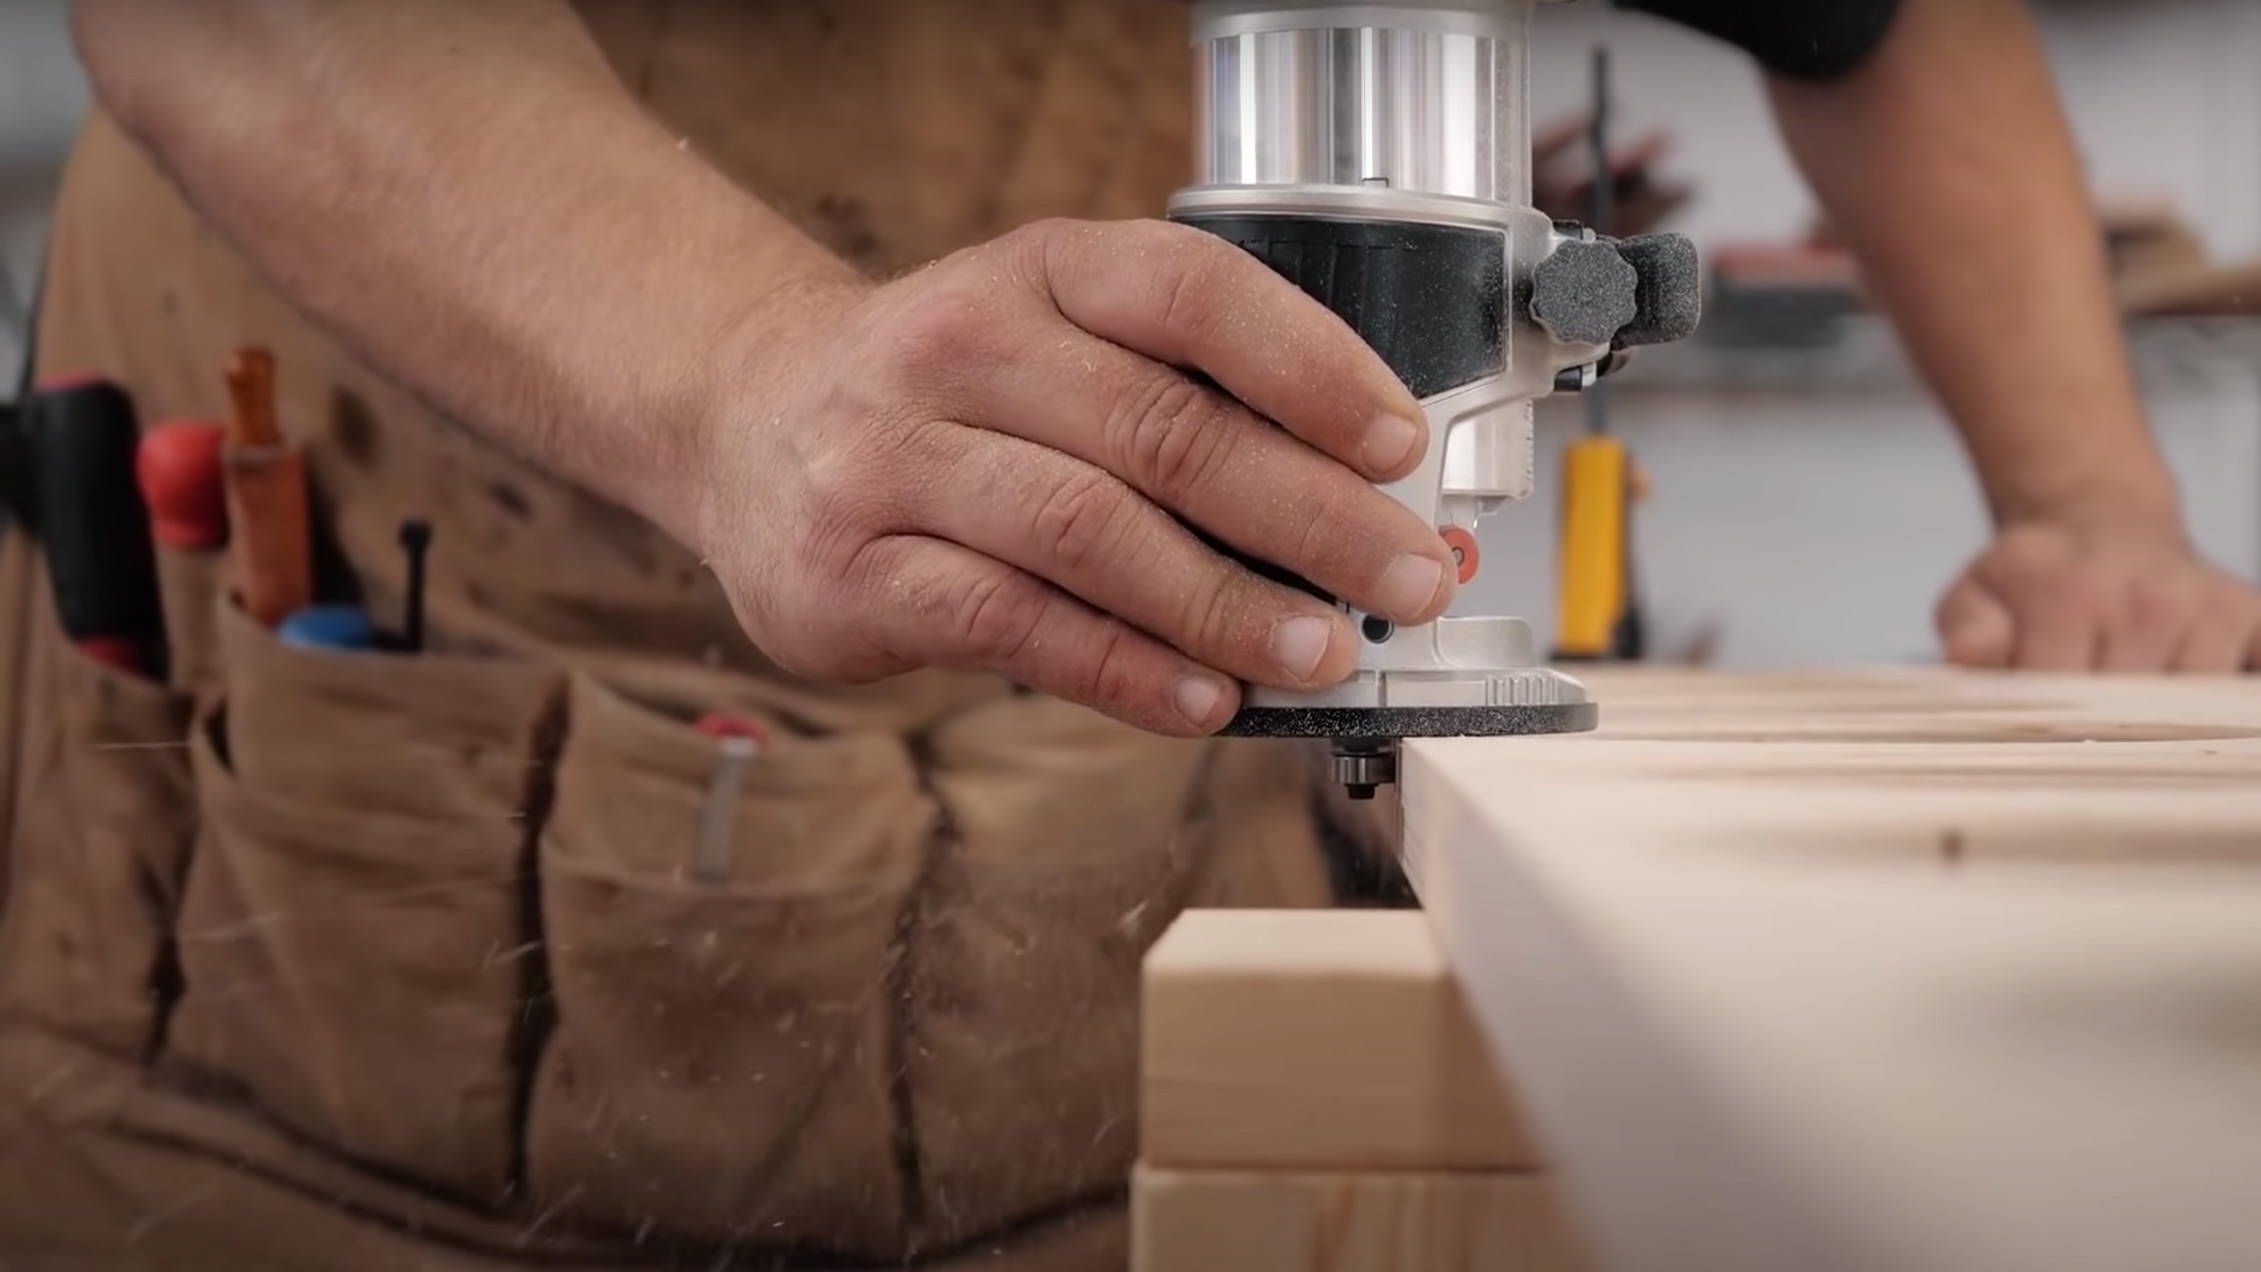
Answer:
[(324, 959)]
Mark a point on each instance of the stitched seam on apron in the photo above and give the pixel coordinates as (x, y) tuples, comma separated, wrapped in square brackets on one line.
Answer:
[(537, 1011), (587, 1254), (941, 841), (659, 1253)]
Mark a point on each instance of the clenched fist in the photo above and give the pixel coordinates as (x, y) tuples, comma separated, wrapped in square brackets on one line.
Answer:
[(1019, 458), (2063, 596)]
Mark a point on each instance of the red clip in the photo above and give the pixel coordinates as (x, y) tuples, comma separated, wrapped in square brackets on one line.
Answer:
[(721, 724)]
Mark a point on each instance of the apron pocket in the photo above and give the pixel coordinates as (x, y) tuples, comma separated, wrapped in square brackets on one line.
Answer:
[(721, 932), (188, 582), (101, 843), (1072, 851), (439, 735), (355, 943)]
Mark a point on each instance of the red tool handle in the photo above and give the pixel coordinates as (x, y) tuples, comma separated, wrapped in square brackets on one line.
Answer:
[(179, 469)]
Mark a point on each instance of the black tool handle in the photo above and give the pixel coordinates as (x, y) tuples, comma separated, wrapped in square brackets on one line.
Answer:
[(416, 541), (81, 439)]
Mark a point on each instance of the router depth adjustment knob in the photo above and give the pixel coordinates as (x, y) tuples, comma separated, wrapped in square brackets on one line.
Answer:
[(1618, 292)]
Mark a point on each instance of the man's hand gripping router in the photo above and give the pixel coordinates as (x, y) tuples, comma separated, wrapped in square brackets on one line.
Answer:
[(995, 461)]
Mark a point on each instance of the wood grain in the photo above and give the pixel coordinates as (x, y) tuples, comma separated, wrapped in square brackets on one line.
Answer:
[(1286, 1221), (1315, 1039), (1876, 971)]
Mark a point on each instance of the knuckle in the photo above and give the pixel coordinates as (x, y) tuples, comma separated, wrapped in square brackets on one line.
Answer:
[(1212, 613), (2089, 592), (1080, 522), (1173, 435), (2027, 552), (1029, 250), (941, 326), (1044, 234), (2156, 601), (843, 513), (993, 616), (1317, 549), (1197, 249), (1109, 672), (1191, 302), (826, 646)]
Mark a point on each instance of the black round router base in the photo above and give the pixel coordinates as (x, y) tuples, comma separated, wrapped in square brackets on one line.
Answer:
[(1411, 722)]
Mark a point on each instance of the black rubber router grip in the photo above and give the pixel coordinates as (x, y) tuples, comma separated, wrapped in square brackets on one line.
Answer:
[(1431, 299)]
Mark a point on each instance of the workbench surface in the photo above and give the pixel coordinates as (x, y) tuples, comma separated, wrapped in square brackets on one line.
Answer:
[(1891, 970)]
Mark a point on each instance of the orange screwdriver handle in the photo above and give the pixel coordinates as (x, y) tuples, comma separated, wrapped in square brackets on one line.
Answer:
[(266, 484), (274, 569)]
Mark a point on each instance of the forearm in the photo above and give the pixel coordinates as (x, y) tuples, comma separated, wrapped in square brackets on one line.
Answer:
[(469, 199), (1947, 164)]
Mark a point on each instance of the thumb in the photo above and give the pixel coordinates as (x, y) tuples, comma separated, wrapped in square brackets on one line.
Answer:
[(1975, 627)]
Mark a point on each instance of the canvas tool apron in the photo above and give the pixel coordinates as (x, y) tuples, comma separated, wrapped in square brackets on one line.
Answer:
[(341, 960)]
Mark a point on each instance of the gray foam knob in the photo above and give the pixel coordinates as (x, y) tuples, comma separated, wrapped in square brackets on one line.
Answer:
[(1583, 293), (1670, 298)]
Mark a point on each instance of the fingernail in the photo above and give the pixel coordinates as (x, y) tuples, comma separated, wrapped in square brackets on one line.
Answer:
[(1409, 587), (1298, 644), (1390, 440), (1197, 699)]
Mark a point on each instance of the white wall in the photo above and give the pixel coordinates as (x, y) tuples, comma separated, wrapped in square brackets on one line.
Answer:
[(42, 96), (1815, 519), (1796, 521), (2165, 96)]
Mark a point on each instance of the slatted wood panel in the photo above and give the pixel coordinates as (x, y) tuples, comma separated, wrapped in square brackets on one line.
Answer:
[(1887, 971)]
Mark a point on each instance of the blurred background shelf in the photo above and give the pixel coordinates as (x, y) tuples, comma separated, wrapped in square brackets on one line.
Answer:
[(1866, 357)]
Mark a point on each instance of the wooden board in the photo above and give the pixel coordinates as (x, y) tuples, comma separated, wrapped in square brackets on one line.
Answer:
[(1281, 1221), (1317, 1039), (1875, 972)]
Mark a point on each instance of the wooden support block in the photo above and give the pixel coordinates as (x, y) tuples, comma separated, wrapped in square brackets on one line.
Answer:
[(1888, 971), (1380, 1221), (1315, 1038)]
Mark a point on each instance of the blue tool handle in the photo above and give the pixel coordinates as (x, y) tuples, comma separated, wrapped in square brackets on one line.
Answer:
[(328, 627)]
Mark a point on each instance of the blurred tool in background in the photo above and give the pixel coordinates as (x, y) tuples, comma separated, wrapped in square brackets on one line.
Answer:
[(80, 440), (1801, 294), (328, 627), (266, 497), (416, 541), (1640, 196), (738, 740), (178, 466), (1782, 296), (1597, 615)]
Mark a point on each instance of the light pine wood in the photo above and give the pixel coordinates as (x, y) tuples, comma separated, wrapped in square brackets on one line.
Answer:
[(1315, 1038), (1883, 971), (1288, 1221)]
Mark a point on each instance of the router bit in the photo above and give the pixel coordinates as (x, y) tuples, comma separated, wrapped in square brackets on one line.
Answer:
[(1378, 155)]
